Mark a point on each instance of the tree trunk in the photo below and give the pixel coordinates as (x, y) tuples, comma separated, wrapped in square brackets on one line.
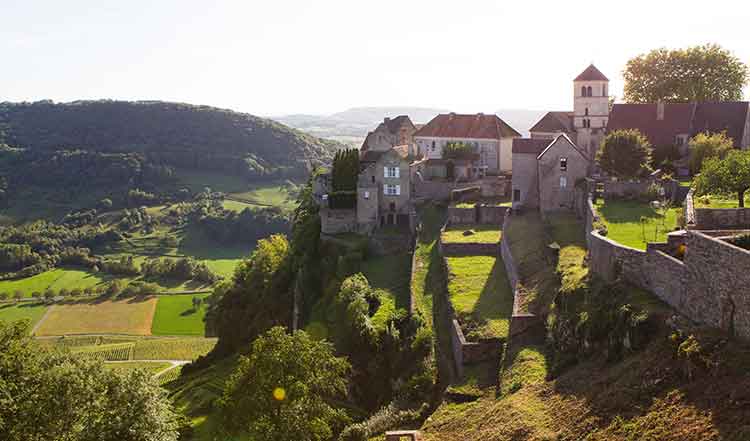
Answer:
[(741, 195)]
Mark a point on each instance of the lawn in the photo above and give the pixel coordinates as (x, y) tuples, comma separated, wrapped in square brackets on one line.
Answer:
[(22, 311), (481, 296), (480, 234), (130, 316), (714, 201), (175, 316), (153, 367), (236, 205), (624, 225)]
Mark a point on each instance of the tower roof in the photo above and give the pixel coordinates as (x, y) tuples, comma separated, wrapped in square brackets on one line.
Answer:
[(591, 74)]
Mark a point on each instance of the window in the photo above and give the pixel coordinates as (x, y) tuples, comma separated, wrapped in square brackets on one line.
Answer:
[(604, 90), (583, 90), (516, 195), (373, 179), (392, 190), (678, 140), (367, 195), (589, 91), (563, 182), (587, 111), (564, 164), (391, 172), (433, 146)]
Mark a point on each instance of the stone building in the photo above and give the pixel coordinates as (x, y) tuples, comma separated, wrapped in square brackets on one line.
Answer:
[(384, 190), (587, 123), (490, 137), (545, 173), (391, 132)]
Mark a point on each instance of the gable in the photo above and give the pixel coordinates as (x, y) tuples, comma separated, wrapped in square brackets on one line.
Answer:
[(564, 144)]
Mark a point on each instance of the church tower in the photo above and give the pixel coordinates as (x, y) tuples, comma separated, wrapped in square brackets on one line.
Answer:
[(590, 108)]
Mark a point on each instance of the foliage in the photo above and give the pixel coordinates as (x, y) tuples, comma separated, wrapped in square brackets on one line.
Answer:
[(728, 175), (345, 170), (705, 73), (90, 402), (184, 268), (247, 226), (281, 390), (259, 297), (742, 241), (624, 153), (707, 145), (458, 150)]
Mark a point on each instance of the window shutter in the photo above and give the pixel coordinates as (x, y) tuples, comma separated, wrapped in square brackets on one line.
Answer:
[(398, 172), (385, 172), (398, 190)]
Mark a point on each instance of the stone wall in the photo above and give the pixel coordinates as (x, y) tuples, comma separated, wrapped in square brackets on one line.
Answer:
[(721, 218), (710, 286), (454, 249), (484, 214), (462, 216), (334, 221), (492, 215), (440, 190)]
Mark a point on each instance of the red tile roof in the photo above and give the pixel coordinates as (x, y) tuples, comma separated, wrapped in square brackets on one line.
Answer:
[(681, 119), (591, 73), (479, 126), (555, 122), (530, 146)]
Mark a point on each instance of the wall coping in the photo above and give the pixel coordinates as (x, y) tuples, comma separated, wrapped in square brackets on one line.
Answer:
[(615, 243), (721, 242), (672, 258)]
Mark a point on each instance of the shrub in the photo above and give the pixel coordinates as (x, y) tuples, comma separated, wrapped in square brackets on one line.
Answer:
[(742, 241)]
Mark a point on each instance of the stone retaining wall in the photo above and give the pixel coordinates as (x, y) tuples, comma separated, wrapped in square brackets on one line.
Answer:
[(484, 215), (453, 249), (440, 190), (710, 286), (462, 216), (715, 218), (334, 221)]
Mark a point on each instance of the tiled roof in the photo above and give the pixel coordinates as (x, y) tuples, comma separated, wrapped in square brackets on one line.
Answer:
[(570, 141), (479, 126), (530, 146), (554, 122), (681, 119), (591, 73)]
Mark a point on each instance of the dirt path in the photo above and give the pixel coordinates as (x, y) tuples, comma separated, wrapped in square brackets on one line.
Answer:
[(46, 313)]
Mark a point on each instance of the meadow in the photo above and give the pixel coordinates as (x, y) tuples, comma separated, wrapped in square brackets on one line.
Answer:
[(635, 223), (22, 311), (175, 315), (132, 316)]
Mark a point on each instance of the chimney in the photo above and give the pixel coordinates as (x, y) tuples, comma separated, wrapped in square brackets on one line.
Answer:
[(660, 110)]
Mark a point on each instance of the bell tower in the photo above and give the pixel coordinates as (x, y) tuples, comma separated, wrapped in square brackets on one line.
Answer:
[(590, 108)]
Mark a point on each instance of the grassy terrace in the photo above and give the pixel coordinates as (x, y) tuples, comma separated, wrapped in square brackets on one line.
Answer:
[(481, 296), (715, 201), (479, 234), (625, 226), (389, 277)]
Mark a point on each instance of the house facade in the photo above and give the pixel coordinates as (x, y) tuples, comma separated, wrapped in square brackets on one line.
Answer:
[(490, 138), (390, 133), (384, 191), (546, 172)]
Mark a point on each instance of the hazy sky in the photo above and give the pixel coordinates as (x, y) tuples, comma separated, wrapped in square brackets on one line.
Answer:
[(318, 56)]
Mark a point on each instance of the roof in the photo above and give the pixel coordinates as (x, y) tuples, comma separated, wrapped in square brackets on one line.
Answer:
[(591, 73), (532, 146), (375, 155), (553, 122), (392, 125), (479, 126), (681, 119), (565, 138)]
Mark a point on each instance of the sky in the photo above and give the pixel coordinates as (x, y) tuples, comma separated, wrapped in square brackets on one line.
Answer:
[(276, 57)]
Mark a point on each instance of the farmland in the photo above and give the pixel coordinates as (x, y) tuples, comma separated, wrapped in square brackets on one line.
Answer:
[(131, 316), (23, 311), (175, 316), (127, 348), (153, 367)]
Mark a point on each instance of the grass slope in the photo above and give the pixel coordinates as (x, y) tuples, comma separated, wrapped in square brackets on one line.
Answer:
[(389, 277), (23, 311), (55, 279), (175, 316)]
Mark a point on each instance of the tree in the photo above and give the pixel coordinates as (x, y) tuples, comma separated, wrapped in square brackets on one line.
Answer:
[(728, 175), (458, 150), (282, 389), (624, 153), (696, 74), (57, 396), (706, 145)]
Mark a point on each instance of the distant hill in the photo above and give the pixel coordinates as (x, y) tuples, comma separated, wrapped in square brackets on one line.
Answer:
[(182, 135), (351, 126)]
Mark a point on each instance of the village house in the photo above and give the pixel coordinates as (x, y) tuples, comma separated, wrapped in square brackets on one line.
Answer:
[(490, 138), (545, 173), (391, 132)]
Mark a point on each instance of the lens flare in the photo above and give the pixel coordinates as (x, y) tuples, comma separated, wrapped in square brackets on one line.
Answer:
[(279, 394)]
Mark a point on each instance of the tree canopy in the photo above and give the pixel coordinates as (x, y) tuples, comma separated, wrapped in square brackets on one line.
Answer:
[(458, 150), (624, 153), (696, 74), (281, 390), (56, 396), (726, 176), (707, 145)]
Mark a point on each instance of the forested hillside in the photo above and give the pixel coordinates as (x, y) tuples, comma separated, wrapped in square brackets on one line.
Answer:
[(173, 134)]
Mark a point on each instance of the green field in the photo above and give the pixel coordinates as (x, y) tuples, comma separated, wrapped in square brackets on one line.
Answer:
[(128, 316), (479, 234), (236, 205), (22, 311), (480, 294), (714, 201), (623, 220), (175, 316), (55, 279), (389, 276)]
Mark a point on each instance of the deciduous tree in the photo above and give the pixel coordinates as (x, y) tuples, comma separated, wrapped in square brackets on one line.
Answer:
[(728, 175), (696, 74), (624, 153), (706, 145)]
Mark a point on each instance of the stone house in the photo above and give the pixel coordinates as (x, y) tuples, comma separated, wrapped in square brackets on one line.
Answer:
[(490, 137), (390, 133), (384, 190), (545, 173)]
